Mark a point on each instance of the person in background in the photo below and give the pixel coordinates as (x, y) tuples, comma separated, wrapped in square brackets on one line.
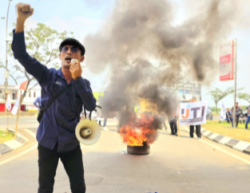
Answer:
[(105, 124), (38, 102), (229, 116), (100, 118), (238, 112), (248, 117), (198, 127), (163, 120), (173, 125)]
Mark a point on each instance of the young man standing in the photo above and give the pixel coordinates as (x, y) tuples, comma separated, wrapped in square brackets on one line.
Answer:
[(56, 132), (248, 116), (198, 127), (229, 116), (238, 112)]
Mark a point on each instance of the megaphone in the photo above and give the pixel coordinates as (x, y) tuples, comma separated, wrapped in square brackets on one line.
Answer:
[(88, 132)]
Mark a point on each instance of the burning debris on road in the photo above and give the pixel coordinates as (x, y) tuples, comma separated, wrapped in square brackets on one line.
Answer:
[(140, 131), (144, 129), (147, 54)]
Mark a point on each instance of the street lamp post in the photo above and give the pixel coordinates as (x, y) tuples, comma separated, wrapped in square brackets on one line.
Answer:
[(6, 62), (6, 73)]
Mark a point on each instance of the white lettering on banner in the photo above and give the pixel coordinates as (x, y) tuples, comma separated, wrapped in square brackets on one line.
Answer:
[(193, 113)]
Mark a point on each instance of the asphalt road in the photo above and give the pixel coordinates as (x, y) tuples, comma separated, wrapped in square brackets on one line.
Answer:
[(23, 123), (175, 165)]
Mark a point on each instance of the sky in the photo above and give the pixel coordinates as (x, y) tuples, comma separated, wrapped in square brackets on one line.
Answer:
[(84, 17)]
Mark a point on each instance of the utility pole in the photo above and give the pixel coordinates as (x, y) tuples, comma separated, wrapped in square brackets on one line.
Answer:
[(235, 81), (6, 73), (6, 61)]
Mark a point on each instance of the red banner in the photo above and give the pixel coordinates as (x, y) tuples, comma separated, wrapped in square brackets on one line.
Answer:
[(227, 61)]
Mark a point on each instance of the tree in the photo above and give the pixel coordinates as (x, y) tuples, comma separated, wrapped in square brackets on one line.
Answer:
[(244, 96), (218, 94), (41, 43)]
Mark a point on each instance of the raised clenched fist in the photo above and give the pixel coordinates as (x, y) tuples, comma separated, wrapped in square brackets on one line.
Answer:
[(24, 11)]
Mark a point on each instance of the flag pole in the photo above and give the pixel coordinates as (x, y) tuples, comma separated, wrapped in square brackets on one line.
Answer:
[(235, 81), (18, 112), (177, 124), (8, 115)]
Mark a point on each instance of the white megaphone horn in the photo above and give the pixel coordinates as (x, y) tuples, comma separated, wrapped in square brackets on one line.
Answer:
[(88, 131)]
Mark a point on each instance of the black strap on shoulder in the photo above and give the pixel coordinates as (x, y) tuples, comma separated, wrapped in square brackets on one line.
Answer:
[(57, 96)]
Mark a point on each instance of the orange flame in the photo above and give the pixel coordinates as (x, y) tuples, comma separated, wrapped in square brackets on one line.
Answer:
[(134, 134)]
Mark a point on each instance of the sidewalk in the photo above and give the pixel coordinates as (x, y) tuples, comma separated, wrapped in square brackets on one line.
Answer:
[(10, 145), (22, 114), (228, 141)]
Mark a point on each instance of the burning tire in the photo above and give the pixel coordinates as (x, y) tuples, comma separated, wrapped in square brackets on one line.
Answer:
[(139, 150)]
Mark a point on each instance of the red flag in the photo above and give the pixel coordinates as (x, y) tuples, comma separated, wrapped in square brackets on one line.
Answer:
[(23, 85)]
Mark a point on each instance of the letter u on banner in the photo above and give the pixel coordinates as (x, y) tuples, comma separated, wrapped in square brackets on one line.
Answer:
[(187, 114)]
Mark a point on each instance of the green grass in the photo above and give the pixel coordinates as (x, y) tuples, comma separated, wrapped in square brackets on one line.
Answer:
[(226, 129), (5, 136), (225, 124)]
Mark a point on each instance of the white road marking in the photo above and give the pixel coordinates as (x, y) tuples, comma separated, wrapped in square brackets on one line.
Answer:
[(13, 144), (33, 120), (22, 153), (31, 133), (235, 156), (18, 155)]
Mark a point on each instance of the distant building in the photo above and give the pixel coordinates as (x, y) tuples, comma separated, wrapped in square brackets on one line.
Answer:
[(27, 104), (186, 90), (14, 92)]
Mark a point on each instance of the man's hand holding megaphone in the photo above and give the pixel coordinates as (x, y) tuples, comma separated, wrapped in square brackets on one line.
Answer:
[(75, 69)]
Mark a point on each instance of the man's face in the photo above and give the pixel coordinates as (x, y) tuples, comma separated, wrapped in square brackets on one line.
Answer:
[(68, 52), (236, 104)]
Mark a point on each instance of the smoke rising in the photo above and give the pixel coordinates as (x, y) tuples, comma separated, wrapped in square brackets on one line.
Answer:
[(146, 51)]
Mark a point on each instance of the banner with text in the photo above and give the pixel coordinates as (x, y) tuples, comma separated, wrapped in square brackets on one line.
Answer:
[(227, 52), (193, 113)]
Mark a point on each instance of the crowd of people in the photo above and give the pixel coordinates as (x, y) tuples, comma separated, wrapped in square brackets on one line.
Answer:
[(239, 114)]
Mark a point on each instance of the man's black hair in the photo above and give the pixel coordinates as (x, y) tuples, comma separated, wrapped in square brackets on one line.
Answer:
[(72, 42)]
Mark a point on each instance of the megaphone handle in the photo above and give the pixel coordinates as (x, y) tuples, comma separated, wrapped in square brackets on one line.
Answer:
[(90, 115), (90, 112), (85, 114)]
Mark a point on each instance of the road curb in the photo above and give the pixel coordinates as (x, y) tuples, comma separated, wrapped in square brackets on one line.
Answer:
[(239, 145), (13, 144)]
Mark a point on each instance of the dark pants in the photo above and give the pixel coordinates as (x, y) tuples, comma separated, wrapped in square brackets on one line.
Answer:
[(198, 130), (72, 162), (248, 119), (229, 120), (236, 121), (104, 122), (173, 127)]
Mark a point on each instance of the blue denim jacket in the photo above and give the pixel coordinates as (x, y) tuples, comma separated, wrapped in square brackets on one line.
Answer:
[(60, 119)]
